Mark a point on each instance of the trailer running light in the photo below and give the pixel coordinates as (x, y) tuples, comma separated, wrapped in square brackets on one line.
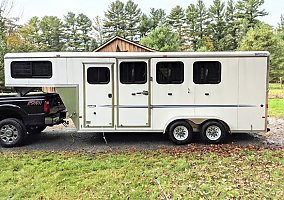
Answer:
[(267, 105), (46, 107)]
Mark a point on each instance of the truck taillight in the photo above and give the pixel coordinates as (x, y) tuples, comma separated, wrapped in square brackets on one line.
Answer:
[(46, 107)]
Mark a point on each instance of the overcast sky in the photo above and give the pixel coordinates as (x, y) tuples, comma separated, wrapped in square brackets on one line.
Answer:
[(29, 8)]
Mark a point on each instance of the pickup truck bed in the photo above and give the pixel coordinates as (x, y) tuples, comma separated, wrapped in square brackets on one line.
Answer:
[(31, 113)]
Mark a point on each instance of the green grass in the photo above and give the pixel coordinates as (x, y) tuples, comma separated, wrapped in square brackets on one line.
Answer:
[(276, 91), (206, 172), (276, 107)]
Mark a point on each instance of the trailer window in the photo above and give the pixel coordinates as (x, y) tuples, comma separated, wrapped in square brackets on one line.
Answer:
[(98, 75), (31, 69), (133, 72), (207, 72), (170, 73)]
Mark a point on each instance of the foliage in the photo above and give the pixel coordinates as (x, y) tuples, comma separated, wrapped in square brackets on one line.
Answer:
[(197, 172), (77, 32), (122, 20), (217, 26), (262, 38), (177, 20), (161, 39), (223, 26)]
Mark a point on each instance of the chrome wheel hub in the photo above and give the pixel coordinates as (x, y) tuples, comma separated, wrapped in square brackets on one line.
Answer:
[(180, 133), (213, 133), (8, 133)]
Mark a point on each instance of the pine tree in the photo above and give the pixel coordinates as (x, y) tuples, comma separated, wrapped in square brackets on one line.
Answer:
[(231, 39), (132, 19), (51, 29), (177, 20), (191, 16), (250, 10), (157, 17), (71, 38), (115, 22), (217, 26), (202, 23), (84, 29), (98, 30), (145, 25)]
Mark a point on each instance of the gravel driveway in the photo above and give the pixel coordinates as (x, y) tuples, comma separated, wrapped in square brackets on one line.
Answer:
[(60, 138)]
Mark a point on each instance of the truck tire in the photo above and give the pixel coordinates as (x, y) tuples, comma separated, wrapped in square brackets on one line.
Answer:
[(12, 132), (213, 132), (180, 132), (33, 130)]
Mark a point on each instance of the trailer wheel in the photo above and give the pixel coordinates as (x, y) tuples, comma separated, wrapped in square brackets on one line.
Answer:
[(180, 132), (33, 130), (213, 132), (12, 132)]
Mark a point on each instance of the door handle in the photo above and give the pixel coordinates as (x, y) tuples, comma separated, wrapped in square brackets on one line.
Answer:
[(109, 95), (146, 93)]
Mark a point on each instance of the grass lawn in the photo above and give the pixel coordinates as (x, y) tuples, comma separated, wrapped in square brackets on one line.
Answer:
[(275, 91), (276, 107), (197, 172)]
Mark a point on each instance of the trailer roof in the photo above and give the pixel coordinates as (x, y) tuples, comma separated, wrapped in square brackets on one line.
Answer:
[(136, 54)]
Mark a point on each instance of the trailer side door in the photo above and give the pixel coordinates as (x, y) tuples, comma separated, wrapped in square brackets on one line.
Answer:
[(133, 101), (99, 95)]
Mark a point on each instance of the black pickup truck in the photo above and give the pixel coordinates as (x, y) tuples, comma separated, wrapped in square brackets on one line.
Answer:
[(30, 113)]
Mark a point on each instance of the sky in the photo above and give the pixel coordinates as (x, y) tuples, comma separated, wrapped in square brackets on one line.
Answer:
[(26, 9)]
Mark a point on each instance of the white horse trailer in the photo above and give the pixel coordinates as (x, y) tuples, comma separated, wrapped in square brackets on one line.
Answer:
[(176, 93)]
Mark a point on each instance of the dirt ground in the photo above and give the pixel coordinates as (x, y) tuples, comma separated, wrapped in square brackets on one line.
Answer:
[(276, 134), (60, 138)]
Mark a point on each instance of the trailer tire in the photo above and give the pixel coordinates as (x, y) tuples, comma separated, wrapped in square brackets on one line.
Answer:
[(213, 132), (33, 130), (180, 132), (12, 132)]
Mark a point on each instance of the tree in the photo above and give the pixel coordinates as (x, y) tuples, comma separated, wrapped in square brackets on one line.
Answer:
[(84, 29), (250, 10), (98, 30), (217, 26), (156, 18), (230, 41), (162, 39), (191, 15), (201, 23), (263, 38), (114, 24), (177, 20), (77, 33), (145, 25), (132, 19), (51, 33)]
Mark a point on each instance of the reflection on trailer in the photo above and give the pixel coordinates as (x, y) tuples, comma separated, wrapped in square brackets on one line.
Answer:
[(175, 93)]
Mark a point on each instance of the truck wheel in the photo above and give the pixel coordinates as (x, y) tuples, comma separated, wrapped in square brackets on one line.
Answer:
[(213, 132), (180, 132), (35, 129), (12, 132)]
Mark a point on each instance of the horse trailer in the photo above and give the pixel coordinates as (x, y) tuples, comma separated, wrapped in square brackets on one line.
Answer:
[(177, 93)]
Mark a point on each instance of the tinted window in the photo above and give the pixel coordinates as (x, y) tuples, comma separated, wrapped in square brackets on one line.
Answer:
[(98, 75), (170, 72), (31, 69), (207, 72), (133, 72)]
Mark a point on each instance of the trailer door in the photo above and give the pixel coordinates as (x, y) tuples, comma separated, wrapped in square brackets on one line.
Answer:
[(133, 93), (99, 99)]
